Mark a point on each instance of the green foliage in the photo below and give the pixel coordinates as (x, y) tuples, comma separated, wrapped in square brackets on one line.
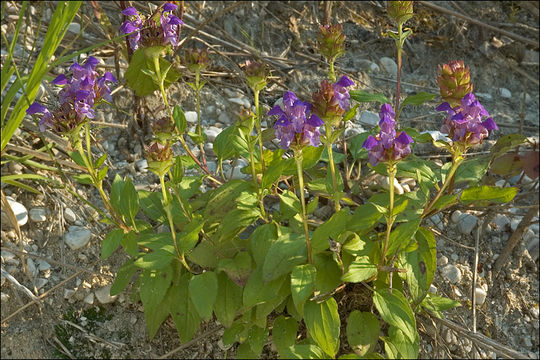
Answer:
[(322, 322), (362, 331)]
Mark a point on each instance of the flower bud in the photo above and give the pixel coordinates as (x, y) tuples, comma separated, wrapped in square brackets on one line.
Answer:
[(196, 59), (325, 104), (454, 82), (399, 11), (163, 129), (256, 74), (331, 41), (159, 157)]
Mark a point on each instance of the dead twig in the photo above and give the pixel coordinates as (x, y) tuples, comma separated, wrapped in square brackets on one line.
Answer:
[(191, 342), (511, 35), (514, 239), (479, 339)]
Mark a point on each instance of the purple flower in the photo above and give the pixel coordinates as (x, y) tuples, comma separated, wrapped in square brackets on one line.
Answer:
[(464, 123), (296, 122), (341, 93), (134, 23), (170, 25), (387, 145)]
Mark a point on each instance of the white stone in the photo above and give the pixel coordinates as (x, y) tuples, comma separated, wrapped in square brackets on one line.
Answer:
[(500, 183), (456, 215), (43, 265), (369, 118), (40, 282), (435, 220), (211, 133), (69, 215), (437, 135), (485, 96), (239, 101), (432, 289), (505, 93), (224, 118), (501, 221), (103, 295), (238, 174), (38, 214), (451, 273), (481, 295), (74, 28), (467, 222), (353, 130), (191, 117), (21, 214), (384, 182), (406, 188), (32, 269), (142, 165), (514, 223), (77, 237), (389, 65), (89, 299), (442, 261)]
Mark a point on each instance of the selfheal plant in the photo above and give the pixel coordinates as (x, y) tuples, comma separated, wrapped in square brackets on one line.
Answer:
[(296, 125), (332, 100), (388, 146), (454, 82)]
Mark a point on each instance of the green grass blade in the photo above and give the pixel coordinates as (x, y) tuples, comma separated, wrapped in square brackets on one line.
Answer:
[(22, 186), (62, 17), (7, 68)]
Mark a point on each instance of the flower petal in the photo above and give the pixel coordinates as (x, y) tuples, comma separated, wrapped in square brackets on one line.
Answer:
[(169, 7), (60, 80), (344, 81), (130, 11), (36, 108)]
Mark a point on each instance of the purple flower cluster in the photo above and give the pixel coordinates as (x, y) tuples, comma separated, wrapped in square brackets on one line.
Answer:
[(464, 124), (168, 34), (387, 145), (341, 94), (77, 98), (296, 122)]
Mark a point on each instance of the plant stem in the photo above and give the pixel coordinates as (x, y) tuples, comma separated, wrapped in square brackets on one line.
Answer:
[(332, 167), (259, 131), (199, 128), (399, 45), (390, 218), (167, 208), (180, 137), (254, 175), (332, 73), (456, 161), (298, 158)]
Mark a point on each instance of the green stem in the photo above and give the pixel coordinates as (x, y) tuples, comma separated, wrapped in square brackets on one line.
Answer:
[(390, 218), (259, 131), (456, 161), (332, 73), (199, 128), (180, 137), (298, 158), (332, 167), (399, 45), (254, 175), (167, 207)]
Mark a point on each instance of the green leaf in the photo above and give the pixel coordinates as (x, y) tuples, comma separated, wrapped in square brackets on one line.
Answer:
[(240, 143), (222, 144), (272, 174), (362, 96), (364, 218), (290, 204), (151, 204), (350, 113), (302, 284), (506, 143), (258, 291), (356, 149), (260, 241), (156, 260), (397, 346), (330, 229), (284, 334), (488, 194), (100, 161), (130, 201), (142, 83), (283, 255), (362, 331), (420, 265), (102, 173), (123, 277), (116, 193), (305, 352), (322, 322), (177, 170), (437, 304), (472, 170), (357, 245), (360, 269), (183, 310), (229, 300), (257, 337), (328, 273), (395, 310), (129, 243), (203, 289), (445, 201), (84, 179), (244, 351), (154, 286), (190, 236), (417, 99), (401, 236), (238, 268)]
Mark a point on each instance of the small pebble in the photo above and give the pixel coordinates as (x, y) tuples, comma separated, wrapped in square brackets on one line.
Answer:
[(481, 295), (389, 65), (43, 265), (40, 282), (324, 212), (32, 269), (74, 28), (369, 118), (69, 215), (505, 93), (211, 133), (451, 273), (456, 215), (442, 261), (142, 165), (89, 299), (432, 289), (21, 214), (38, 214), (191, 117), (467, 222), (224, 118), (501, 221), (103, 295), (77, 237)]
